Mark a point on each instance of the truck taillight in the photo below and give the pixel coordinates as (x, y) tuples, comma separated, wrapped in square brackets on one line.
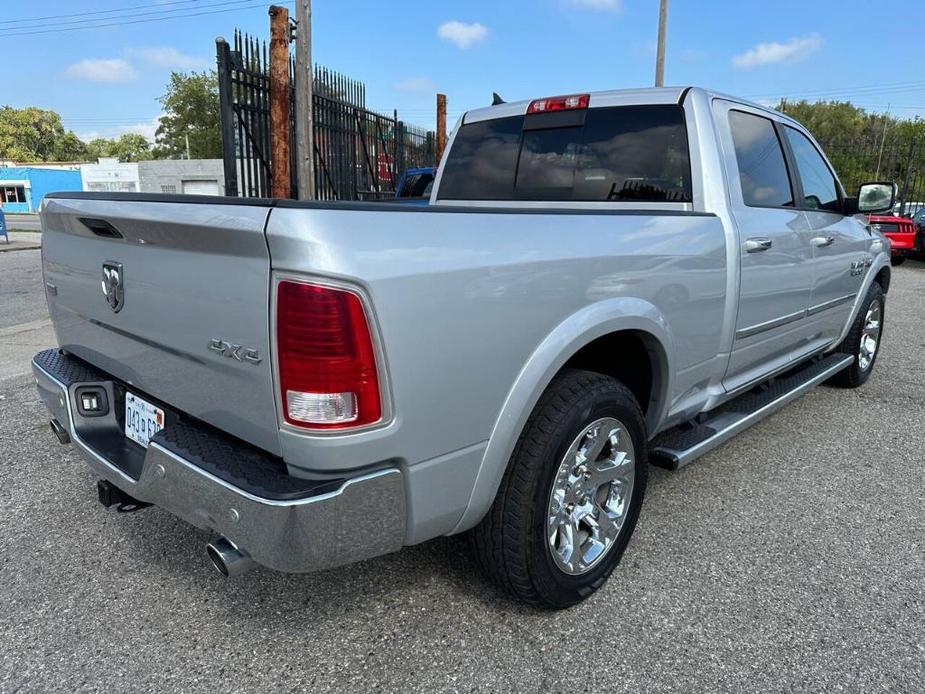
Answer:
[(327, 363), (559, 103)]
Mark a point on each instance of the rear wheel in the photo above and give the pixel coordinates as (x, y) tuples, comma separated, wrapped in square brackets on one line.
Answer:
[(863, 340), (897, 260), (571, 495)]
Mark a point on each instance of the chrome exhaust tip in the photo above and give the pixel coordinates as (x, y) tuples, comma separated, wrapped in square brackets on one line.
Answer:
[(227, 559), (60, 432)]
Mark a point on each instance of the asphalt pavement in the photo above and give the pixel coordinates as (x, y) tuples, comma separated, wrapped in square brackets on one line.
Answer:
[(23, 222), (790, 559)]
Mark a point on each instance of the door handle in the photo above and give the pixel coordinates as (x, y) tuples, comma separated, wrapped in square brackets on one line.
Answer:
[(822, 241), (757, 244)]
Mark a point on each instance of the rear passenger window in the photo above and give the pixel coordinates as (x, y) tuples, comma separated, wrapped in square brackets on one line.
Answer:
[(819, 189), (762, 169)]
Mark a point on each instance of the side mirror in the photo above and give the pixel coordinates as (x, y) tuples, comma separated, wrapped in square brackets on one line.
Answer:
[(876, 197)]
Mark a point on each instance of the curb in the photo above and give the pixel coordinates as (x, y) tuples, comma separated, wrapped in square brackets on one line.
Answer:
[(27, 247)]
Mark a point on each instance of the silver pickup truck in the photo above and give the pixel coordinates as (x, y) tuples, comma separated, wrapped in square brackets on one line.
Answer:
[(600, 281)]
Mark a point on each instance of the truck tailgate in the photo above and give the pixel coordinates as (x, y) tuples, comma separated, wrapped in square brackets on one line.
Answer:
[(195, 278)]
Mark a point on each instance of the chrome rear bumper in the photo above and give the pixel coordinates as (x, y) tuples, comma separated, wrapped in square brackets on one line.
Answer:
[(362, 518)]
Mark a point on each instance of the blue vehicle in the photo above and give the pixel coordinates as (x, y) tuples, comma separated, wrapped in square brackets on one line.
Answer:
[(415, 185), (3, 226)]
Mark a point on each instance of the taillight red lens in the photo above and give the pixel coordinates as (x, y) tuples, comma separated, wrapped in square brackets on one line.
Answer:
[(559, 103), (327, 363)]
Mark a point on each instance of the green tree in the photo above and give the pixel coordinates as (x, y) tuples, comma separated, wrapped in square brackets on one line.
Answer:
[(35, 134), (127, 147), (865, 146), (191, 115)]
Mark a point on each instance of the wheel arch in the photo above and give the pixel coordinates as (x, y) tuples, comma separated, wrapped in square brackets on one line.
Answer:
[(884, 277), (587, 339), (879, 273)]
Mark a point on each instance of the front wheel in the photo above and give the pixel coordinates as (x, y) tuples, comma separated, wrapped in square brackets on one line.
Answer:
[(571, 495), (863, 340)]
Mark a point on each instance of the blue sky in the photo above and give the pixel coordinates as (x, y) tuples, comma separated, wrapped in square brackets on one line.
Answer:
[(105, 80)]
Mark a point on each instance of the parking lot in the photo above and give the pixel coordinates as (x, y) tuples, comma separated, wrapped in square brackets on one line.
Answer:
[(790, 559)]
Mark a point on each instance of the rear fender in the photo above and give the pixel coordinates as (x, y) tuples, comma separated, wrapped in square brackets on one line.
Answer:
[(547, 360), (882, 260)]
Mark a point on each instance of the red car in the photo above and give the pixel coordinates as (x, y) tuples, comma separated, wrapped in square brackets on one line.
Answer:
[(901, 233)]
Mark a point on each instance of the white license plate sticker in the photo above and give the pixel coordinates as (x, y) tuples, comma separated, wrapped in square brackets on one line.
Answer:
[(142, 419)]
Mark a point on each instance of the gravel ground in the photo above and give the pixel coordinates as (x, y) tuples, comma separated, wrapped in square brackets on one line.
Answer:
[(791, 559)]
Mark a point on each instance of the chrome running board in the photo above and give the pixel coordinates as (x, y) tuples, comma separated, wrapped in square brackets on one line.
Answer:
[(677, 447)]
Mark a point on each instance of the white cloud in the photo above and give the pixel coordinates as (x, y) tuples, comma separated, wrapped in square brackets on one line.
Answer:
[(792, 51), (605, 5), (462, 34), (169, 57), (109, 70), (146, 128), (416, 84)]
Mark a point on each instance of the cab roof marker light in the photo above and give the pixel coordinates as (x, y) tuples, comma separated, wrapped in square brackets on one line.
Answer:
[(569, 102)]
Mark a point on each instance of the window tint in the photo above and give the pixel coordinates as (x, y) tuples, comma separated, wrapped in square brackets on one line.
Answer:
[(620, 154), (819, 189), (626, 153), (482, 160), (762, 170)]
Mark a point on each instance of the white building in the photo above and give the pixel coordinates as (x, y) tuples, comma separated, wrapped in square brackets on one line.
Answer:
[(110, 175), (191, 176)]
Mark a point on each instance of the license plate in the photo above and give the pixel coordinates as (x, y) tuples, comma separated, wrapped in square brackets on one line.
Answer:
[(142, 419)]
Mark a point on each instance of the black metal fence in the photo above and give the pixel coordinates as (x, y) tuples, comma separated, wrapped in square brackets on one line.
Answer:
[(359, 154)]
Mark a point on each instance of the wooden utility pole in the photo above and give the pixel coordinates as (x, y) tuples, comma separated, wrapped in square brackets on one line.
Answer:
[(441, 127), (660, 51), (304, 134), (280, 163)]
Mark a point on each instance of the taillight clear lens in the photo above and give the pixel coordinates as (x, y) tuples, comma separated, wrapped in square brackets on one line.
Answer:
[(327, 363)]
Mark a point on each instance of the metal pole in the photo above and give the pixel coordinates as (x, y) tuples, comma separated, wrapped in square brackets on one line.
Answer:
[(304, 102), (660, 53), (225, 98), (441, 127), (280, 163), (905, 193), (886, 117)]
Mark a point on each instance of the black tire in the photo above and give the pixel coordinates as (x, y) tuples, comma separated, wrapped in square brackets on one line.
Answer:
[(510, 542), (897, 260), (855, 376)]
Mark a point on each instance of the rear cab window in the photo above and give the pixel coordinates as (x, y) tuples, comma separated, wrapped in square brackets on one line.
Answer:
[(611, 154)]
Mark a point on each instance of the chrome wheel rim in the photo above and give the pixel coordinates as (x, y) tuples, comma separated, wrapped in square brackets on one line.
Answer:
[(870, 335), (590, 496)]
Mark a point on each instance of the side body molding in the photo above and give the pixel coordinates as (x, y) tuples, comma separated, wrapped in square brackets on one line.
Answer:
[(578, 330)]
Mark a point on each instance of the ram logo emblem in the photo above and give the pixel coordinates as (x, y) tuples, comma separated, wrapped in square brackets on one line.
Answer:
[(113, 288)]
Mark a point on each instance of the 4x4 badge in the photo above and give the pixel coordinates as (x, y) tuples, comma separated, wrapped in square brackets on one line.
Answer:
[(232, 351)]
